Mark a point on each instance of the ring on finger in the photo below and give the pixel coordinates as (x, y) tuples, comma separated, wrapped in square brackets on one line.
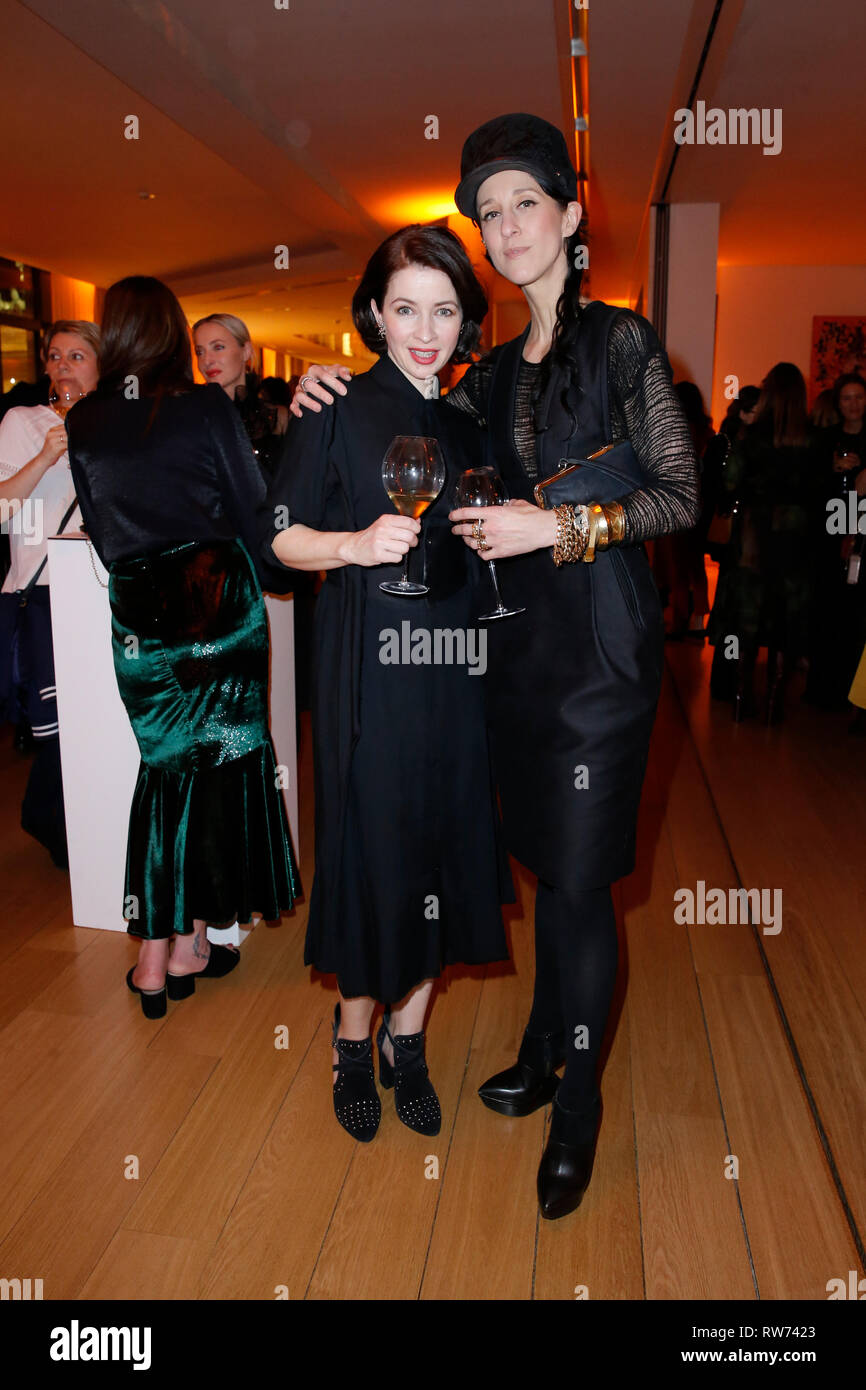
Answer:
[(304, 379)]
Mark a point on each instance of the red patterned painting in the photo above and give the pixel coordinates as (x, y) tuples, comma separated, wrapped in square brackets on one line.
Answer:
[(838, 345)]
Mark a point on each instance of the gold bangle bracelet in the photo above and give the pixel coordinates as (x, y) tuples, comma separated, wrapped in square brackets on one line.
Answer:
[(593, 513), (615, 522)]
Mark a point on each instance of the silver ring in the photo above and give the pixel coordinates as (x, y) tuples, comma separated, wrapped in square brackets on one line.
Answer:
[(305, 377)]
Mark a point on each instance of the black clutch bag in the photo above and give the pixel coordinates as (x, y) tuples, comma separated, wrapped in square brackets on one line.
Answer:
[(605, 476)]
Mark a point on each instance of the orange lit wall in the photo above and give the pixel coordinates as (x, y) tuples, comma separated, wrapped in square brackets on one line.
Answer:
[(72, 299), (765, 316)]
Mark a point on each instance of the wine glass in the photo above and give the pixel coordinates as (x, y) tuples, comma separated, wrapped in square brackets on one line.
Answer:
[(481, 487), (844, 462), (413, 472), (61, 402)]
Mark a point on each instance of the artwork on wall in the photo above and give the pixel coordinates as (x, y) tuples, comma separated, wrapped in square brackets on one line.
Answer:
[(838, 345)]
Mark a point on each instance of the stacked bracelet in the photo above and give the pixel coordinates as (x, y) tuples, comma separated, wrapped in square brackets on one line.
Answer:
[(572, 534)]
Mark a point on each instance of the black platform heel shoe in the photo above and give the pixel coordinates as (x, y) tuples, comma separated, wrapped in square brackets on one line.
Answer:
[(415, 1100), (356, 1100), (532, 1081), (566, 1164), (221, 961), (153, 1003)]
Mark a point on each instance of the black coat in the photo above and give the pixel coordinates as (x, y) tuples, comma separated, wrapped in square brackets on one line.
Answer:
[(573, 682)]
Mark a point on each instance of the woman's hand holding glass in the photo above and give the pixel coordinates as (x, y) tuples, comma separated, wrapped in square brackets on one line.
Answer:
[(480, 496), (514, 529), (54, 445), (386, 542)]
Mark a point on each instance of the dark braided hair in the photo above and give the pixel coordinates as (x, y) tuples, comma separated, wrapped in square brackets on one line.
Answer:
[(568, 312)]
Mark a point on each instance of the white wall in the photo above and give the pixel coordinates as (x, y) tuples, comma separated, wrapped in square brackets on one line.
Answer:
[(691, 306)]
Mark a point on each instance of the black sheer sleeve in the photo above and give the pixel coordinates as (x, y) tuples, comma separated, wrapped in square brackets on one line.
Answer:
[(646, 410)]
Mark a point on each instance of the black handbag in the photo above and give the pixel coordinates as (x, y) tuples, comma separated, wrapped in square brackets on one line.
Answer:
[(605, 476), (13, 616)]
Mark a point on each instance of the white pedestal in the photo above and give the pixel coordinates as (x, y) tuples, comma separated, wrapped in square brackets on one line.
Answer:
[(98, 752)]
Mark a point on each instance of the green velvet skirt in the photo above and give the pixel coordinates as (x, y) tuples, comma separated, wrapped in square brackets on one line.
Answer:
[(208, 835)]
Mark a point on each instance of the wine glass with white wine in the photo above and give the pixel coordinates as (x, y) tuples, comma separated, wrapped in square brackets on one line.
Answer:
[(413, 473)]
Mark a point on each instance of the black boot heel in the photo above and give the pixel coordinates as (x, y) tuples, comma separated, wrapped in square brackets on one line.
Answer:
[(153, 1003), (415, 1100), (567, 1161), (532, 1081), (356, 1100)]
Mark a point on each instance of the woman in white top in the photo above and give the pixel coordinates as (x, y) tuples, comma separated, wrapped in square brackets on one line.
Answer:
[(36, 490)]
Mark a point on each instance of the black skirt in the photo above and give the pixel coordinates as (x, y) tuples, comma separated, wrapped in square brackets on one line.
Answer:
[(422, 870), (572, 688)]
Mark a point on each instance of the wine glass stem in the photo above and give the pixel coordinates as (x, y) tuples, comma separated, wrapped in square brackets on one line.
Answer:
[(499, 602)]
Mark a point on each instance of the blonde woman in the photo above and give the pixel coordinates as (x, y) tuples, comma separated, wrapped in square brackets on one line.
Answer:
[(224, 352)]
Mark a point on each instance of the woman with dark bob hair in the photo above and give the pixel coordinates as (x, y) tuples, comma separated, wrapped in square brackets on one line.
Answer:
[(409, 876), (169, 486)]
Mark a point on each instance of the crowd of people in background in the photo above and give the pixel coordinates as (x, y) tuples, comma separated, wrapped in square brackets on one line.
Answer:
[(777, 520)]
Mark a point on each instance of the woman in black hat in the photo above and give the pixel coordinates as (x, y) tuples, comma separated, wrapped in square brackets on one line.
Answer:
[(573, 682)]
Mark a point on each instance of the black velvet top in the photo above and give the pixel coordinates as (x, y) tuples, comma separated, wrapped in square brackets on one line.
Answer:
[(147, 479)]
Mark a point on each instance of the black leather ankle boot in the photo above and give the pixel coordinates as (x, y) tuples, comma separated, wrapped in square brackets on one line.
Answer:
[(532, 1081), (566, 1164)]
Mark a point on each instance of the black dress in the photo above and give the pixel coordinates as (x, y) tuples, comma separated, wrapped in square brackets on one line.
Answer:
[(409, 869), (574, 681), (765, 591)]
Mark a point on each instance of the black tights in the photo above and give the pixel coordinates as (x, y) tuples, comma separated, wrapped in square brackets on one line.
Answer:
[(575, 973)]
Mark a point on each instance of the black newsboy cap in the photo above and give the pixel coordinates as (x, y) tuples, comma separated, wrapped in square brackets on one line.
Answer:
[(516, 141)]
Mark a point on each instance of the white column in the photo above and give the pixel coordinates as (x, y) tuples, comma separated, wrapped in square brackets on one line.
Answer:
[(691, 297)]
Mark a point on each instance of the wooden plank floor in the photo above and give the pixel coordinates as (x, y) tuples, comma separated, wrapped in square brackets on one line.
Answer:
[(192, 1158)]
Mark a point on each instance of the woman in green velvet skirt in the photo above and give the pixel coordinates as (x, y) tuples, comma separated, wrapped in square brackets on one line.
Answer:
[(169, 491)]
